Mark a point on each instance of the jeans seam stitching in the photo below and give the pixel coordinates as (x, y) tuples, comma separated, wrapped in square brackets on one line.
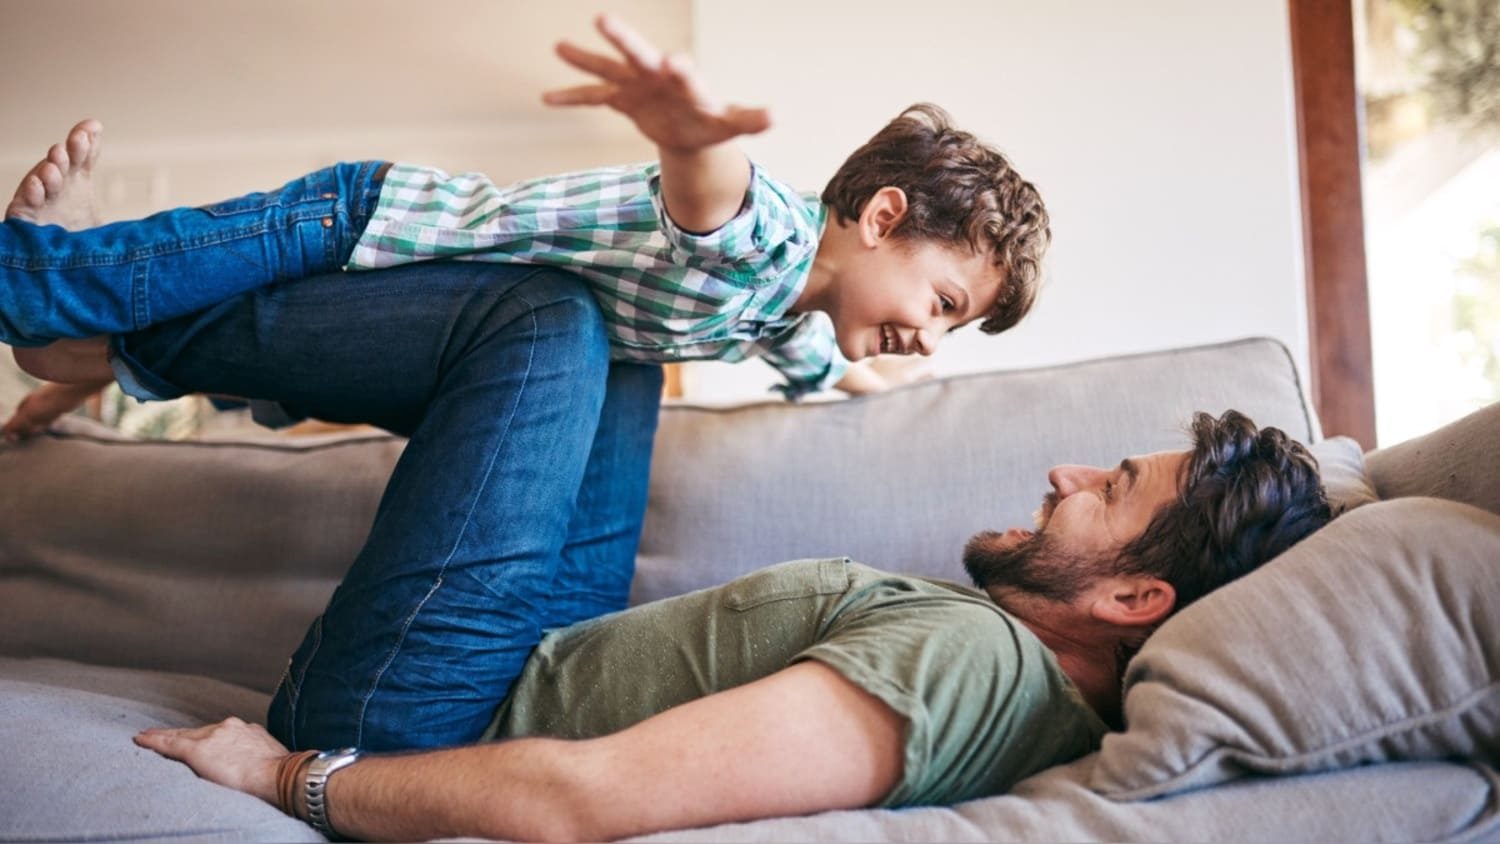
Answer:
[(468, 518)]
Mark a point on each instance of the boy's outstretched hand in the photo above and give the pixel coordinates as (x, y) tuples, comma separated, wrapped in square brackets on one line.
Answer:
[(660, 93)]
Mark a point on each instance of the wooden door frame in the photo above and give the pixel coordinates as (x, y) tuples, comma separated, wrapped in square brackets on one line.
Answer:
[(1329, 151)]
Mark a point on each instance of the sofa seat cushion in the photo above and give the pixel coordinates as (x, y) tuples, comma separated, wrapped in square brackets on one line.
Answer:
[(72, 772)]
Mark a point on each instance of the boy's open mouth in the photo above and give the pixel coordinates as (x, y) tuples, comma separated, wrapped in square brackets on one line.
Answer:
[(890, 341)]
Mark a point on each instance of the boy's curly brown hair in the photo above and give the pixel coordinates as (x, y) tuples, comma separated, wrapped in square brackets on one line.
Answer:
[(959, 192)]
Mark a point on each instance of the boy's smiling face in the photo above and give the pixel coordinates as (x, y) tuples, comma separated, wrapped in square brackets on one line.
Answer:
[(889, 295), (903, 297)]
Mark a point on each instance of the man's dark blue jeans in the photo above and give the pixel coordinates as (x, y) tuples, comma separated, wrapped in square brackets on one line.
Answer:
[(516, 506)]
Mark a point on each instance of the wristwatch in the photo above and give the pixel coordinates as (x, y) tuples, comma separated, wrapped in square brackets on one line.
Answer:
[(315, 787)]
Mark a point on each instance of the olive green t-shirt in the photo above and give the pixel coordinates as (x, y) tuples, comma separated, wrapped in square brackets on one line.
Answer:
[(985, 703)]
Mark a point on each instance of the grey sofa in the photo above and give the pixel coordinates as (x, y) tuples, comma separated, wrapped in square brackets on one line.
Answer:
[(1347, 691)]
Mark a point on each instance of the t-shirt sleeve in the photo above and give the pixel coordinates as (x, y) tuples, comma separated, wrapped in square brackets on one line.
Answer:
[(772, 237), (984, 703), (807, 357)]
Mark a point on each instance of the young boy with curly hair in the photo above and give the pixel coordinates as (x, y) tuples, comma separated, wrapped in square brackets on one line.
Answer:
[(699, 256)]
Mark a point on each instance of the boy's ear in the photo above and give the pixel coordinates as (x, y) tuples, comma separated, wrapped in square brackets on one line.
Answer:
[(1134, 600), (881, 214)]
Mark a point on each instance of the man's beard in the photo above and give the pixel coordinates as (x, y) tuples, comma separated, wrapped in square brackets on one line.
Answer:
[(1034, 566)]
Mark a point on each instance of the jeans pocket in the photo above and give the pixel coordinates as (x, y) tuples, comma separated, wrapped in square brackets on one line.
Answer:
[(296, 667), (250, 203)]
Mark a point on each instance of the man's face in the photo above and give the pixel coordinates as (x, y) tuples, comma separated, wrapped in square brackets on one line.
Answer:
[(1083, 524)]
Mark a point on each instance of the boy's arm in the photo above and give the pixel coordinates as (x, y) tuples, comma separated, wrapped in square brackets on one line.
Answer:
[(877, 374), (704, 175), (42, 406)]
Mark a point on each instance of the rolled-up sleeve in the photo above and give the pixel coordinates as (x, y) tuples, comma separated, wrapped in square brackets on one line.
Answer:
[(774, 233)]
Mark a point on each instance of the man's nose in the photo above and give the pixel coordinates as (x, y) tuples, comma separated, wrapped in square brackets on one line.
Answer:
[(1068, 479)]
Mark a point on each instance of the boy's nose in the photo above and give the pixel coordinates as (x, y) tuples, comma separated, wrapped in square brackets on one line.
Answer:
[(925, 341)]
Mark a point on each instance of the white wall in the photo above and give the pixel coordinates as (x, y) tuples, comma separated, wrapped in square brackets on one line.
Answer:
[(203, 100), (1161, 134)]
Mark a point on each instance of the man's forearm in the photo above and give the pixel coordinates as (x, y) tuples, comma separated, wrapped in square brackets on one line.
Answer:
[(522, 790), (704, 188)]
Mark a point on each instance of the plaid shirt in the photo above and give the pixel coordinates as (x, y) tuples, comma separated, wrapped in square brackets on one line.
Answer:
[(667, 295)]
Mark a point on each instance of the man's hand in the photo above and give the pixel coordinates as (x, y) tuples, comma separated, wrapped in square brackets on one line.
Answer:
[(660, 93), (43, 406), (232, 752)]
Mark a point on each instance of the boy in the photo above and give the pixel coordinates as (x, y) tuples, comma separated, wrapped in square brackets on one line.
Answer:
[(700, 257)]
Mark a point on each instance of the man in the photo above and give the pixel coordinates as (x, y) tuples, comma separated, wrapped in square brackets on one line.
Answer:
[(820, 685)]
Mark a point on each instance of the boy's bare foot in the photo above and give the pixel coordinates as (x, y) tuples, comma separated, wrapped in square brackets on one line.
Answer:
[(59, 190)]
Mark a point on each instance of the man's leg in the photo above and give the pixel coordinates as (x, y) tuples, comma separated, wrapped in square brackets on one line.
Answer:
[(498, 375), (56, 283), (598, 560)]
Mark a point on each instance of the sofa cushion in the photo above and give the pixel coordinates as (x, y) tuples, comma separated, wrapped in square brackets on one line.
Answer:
[(1346, 479), (72, 772), (1372, 640), (900, 480), (203, 558)]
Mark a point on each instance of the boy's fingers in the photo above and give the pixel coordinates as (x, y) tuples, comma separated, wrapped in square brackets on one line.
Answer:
[(748, 120), (581, 95), (641, 54), (588, 61)]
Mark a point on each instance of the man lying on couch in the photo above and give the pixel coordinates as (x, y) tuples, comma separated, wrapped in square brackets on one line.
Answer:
[(824, 684)]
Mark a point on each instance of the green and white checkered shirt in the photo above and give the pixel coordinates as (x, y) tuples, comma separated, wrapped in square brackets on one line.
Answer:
[(667, 295)]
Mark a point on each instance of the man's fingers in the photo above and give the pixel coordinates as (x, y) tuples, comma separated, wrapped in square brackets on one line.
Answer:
[(588, 61), (581, 95), (639, 52)]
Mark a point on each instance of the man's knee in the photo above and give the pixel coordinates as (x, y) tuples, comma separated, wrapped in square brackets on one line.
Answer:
[(556, 306)]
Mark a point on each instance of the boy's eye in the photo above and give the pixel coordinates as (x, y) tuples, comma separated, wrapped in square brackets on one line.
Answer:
[(1109, 490), (947, 304)]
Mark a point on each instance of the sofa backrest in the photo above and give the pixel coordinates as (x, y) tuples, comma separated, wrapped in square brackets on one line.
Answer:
[(212, 557), (901, 480)]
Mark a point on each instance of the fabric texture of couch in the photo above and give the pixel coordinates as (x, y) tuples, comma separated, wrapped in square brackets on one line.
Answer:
[(1346, 691)]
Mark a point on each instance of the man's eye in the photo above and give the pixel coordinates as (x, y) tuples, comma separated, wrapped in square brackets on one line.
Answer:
[(1109, 490)]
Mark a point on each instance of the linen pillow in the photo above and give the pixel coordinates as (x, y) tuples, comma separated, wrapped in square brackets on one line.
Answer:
[(1372, 640), (1341, 464)]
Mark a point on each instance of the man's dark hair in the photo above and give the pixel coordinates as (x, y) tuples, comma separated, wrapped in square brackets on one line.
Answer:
[(960, 192), (1245, 496)]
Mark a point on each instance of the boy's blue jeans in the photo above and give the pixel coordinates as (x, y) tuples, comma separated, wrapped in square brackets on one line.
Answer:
[(126, 276), (516, 506)]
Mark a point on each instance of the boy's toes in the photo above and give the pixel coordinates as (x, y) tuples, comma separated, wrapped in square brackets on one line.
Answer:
[(83, 145), (58, 155), (51, 176), (30, 194), (78, 148)]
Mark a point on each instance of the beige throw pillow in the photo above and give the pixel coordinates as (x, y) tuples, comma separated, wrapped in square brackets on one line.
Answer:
[(1376, 639)]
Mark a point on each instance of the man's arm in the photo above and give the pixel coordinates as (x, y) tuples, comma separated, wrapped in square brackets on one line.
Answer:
[(704, 175), (802, 740)]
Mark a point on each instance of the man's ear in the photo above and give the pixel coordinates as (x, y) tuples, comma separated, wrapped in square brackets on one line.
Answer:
[(1134, 600), (881, 214)]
